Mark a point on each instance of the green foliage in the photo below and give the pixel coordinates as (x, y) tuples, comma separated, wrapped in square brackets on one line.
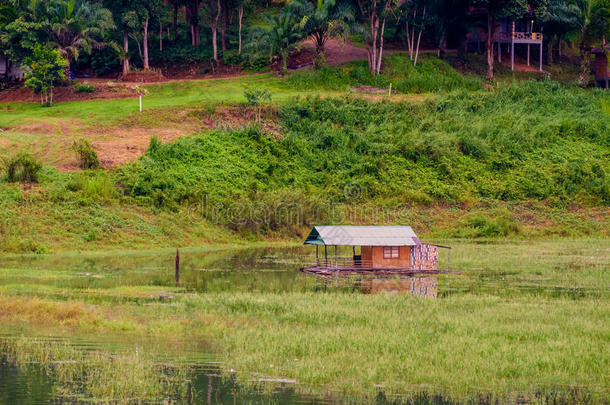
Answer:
[(23, 167), (508, 146), (256, 97), (430, 75), (85, 87), (43, 68), (281, 36), (86, 154)]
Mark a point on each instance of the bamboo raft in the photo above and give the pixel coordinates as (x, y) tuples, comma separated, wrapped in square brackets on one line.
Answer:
[(323, 271)]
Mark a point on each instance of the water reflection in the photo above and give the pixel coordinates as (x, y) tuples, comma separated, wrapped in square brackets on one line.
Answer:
[(416, 286)]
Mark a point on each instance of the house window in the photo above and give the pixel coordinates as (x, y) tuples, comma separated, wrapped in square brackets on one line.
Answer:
[(390, 252)]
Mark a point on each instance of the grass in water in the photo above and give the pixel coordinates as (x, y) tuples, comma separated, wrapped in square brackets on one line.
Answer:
[(487, 334)]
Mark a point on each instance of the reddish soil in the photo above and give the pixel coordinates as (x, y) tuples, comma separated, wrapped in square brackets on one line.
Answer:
[(335, 53), (195, 71), (152, 76), (127, 144)]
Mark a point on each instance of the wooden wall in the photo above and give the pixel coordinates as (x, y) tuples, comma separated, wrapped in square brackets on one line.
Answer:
[(374, 254)]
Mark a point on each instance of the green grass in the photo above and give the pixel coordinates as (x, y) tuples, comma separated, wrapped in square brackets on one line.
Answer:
[(523, 159), (525, 318)]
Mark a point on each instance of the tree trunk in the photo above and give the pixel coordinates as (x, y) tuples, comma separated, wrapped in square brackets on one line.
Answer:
[(490, 48), (215, 31), (126, 50), (284, 67), (145, 45), (419, 37), (373, 51), (241, 16), (442, 46), (175, 22), (160, 37), (223, 30), (549, 53), (412, 42), (380, 46), (585, 65)]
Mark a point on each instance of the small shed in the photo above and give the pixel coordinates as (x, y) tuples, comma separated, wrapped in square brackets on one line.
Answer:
[(374, 248)]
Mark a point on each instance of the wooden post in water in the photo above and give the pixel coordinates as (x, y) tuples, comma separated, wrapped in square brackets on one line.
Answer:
[(177, 267)]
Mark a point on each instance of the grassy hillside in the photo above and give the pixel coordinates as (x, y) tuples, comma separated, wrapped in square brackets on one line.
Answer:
[(522, 158)]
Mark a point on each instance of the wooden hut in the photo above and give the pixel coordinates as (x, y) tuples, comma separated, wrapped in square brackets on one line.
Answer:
[(375, 249)]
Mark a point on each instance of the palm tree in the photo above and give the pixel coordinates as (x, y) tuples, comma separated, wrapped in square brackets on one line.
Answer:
[(325, 19), (594, 24), (74, 26), (281, 36), (560, 18)]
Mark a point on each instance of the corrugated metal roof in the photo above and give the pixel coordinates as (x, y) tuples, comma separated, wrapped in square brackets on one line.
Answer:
[(349, 235)]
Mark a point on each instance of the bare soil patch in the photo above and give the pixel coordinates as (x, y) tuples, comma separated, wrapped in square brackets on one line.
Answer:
[(127, 143), (151, 76), (336, 54), (369, 90)]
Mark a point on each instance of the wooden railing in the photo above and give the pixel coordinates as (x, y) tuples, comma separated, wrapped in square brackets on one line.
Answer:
[(518, 35), (343, 263)]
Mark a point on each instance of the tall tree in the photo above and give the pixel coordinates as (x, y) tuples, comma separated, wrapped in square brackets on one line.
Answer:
[(375, 13), (126, 14), (214, 12), (74, 27), (325, 19), (22, 28), (594, 27), (448, 16), (282, 34), (148, 10), (560, 18), (191, 14), (494, 10)]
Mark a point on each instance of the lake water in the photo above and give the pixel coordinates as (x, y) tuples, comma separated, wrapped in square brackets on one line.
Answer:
[(258, 269)]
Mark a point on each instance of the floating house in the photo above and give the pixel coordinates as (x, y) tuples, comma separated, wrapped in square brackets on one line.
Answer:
[(375, 249)]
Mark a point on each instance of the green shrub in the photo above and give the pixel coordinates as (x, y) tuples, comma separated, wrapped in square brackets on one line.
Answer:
[(85, 88), (24, 168), (545, 143), (88, 188), (87, 156)]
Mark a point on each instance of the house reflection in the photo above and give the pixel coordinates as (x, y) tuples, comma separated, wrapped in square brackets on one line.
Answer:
[(417, 286)]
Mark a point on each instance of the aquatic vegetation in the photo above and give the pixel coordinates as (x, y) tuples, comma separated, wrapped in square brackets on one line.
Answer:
[(524, 319)]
